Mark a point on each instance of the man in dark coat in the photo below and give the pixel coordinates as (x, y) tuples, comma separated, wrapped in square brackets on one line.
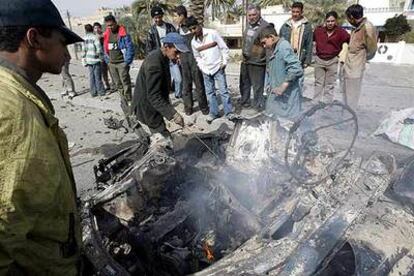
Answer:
[(158, 30), (190, 71), (151, 103)]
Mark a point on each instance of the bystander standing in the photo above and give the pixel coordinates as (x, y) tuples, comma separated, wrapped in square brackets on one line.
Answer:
[(92, 58), (212, 55), (362, 47), (285, 71), (329, 41)]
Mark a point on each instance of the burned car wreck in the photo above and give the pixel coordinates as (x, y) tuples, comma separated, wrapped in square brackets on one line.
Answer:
[(270, 198)]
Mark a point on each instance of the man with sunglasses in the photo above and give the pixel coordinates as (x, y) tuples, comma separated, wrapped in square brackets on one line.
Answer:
[(39, 223)]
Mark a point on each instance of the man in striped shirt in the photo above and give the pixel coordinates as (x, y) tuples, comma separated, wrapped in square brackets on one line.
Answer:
[(92, 58)]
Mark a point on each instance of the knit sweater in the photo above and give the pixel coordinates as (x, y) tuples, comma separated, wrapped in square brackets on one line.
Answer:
[(92, 49)]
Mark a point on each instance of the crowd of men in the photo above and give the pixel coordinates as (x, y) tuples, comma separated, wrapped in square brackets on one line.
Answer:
[(39, 222), (272, 67)]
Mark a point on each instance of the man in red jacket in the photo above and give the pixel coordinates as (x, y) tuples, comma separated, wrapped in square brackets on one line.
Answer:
[(329, 40), (119, 54)]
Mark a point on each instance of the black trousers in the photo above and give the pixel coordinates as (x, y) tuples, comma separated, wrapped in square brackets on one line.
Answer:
[(190, 74), (252, 76)]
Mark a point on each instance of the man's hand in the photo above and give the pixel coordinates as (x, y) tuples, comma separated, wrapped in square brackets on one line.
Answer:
[(281, 89), (178, 119)]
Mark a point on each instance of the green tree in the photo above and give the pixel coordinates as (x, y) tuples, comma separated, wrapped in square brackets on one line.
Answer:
[(136, 34), (141, 20), (218, 6), (315, 10), (141, 7), (264, 3), (197, 9), (396, 27), (233, 14)]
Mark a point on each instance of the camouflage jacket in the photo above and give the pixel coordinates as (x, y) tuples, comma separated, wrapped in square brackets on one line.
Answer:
[(39, 224)]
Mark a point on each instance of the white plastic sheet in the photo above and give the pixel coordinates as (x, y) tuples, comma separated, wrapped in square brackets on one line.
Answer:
[(398, 126)]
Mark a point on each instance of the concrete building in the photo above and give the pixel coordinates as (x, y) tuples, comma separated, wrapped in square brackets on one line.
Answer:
[(377, 11)]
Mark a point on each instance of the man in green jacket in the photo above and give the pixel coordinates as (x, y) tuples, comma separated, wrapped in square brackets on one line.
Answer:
[(39, 224)]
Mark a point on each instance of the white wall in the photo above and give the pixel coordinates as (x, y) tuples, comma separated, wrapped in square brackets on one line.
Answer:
[(375, 3), (396, 53)]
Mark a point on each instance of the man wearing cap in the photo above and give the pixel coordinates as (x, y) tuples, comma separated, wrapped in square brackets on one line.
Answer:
[(158, 30), (155, 37), (39, 223), (151, 102)]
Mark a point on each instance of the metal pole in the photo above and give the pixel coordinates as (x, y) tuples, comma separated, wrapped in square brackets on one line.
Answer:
[(247, 5), (243, 20), (70, 27)]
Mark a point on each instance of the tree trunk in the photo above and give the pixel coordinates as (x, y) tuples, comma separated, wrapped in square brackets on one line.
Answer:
[(197, 9)]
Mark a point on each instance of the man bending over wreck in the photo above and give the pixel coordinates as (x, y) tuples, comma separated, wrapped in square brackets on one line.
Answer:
[(285, 71), (151, 102)]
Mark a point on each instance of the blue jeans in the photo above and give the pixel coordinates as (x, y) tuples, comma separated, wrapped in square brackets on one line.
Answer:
[(209, 83), (176, 77), (95, 79)]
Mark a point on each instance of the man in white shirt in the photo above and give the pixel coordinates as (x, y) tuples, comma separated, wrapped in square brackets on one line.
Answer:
[(212, 55)]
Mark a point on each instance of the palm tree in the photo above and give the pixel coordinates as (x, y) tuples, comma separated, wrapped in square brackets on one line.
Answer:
[(315, 10), (139, 7), (197, 9), (264, 3), (234, 13), (217, 5)]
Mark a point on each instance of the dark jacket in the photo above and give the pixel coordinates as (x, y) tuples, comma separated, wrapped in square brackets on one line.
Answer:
[(153, 39), (124, 43), (306, 40), (253, 51), (151, 100), (188, 35)]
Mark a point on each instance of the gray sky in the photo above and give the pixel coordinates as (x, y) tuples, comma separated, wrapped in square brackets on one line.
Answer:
[(87, 7)]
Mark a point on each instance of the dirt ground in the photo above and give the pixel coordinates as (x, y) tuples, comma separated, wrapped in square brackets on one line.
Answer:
[(385, 88)]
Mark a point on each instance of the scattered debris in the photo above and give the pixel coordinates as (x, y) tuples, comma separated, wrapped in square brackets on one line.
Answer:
[(398, 126), (113, 123)]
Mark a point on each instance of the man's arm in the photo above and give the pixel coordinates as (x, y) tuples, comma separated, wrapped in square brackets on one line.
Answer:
[(197, 55), (154, 76), (25, 193), (371, 40), (149, 44), (207, 46), (223, 47), (308, 44), (294, 69), (130, 50), (98, 47)]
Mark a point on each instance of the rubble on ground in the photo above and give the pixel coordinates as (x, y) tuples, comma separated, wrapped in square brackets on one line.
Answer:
[(274, 198)]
